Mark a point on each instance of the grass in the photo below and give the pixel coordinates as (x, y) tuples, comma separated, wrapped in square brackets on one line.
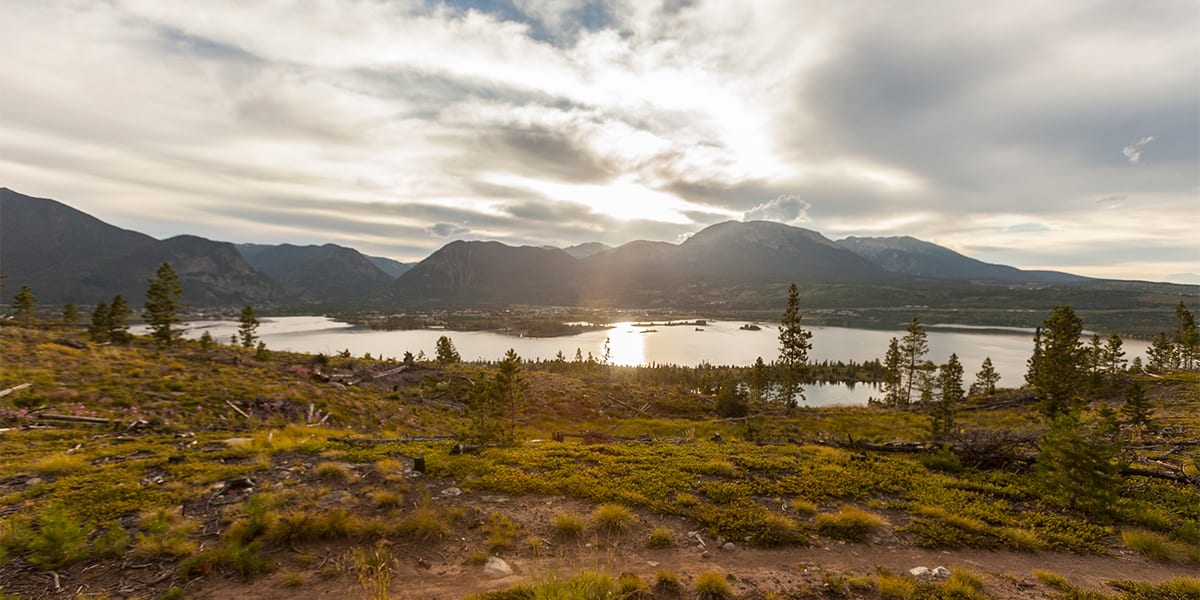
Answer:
[(737, 490), (712, 586), (568, 525), (1159, 547), (661, 537), (613, 519), (851, 524), (501, 531)]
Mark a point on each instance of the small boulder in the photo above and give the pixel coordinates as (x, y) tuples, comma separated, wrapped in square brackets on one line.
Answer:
[(728, 547), (452, 491), (496, 568), (941, 572), (919, 571)]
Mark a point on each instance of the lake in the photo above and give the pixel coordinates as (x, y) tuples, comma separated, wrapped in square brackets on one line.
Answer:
[(717, 342)]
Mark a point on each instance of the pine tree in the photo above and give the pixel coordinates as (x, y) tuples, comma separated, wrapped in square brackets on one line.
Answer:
[(1058, 374), (445, 353), (24, 304), (1076, 463), (1136, 409), (163, 307), (913, 349), (98, 330), (117, 321), (794, 344), (1114, 356), (248, 329), (893, 362), (1186, 338), (986, 379), (760, 381), (1161, 354), (70, 314), (206, 341), (1095, 360), (731, 400), (950, 395), (261, 352), (510, 387)]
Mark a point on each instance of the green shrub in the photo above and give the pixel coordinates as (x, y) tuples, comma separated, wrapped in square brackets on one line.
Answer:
[(661, 537), (712, 586), (851, 524), (944, 460), (1159, 547), (501, 532), (112, 543), (666, 583), (59, 541), (613, 518), (568, 525)]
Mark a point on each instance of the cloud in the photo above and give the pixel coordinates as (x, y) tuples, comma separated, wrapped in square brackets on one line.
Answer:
[(447, 230), (784, 209), (381, 124), (1133, 152)]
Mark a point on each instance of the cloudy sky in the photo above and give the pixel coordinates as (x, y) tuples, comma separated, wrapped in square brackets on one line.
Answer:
[(1040, 134)]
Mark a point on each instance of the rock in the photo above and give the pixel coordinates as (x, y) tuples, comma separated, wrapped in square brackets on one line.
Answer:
[(238, 441), (496, 568), (338, 498), (919, 571), (941, 572), (34, 481), (452, 491), (705, 554), (728, 547)]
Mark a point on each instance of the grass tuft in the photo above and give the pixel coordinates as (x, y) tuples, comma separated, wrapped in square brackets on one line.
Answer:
[(712, 586), (1159, 547), (851, 524), (613, 518), (661, 537)]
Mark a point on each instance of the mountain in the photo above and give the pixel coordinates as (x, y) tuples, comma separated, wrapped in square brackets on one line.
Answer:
[(393, 268), (66, 255), (911, 256), (318, 274), (587, 249), (489, 273)]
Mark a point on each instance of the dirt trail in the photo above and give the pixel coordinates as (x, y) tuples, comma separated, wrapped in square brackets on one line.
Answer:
[(1007, 574)]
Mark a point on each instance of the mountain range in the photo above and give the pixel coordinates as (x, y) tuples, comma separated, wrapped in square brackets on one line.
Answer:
[(66, 255)]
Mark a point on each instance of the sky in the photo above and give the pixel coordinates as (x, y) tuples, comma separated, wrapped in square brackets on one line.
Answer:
[(1061, 135)]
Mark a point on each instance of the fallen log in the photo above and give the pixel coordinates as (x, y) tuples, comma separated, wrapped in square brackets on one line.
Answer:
[(1155, 474), (15, 388), (401, 440), (75, 419)]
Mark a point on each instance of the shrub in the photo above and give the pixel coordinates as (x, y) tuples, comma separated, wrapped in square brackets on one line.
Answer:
[(425, 524), (1159, 547), (58, 464), (59, 541), (112, 543), (166, 535), (661, 537), (246, 560), (666, 583), (895, 587), (712, 586), (613, 518), (501, 532), (629, 585), (333, 473), (851, 524)]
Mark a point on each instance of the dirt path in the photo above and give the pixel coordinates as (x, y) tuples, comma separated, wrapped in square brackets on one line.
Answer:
[(1007, 574)]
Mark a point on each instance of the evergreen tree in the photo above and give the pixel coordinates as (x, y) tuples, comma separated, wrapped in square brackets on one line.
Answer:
[(1095, 361), (1058, 373), (1186, 338), (261, 352), (484, 413), (70, 314), (1136, 409), (117, 321), (1076, 463), (206, 341), (163, 307), (1161, 354), (986, 379), (1031, 365), (1114, 356), (913, 349), (893, 362), (794, 344), (950, 395), (760, 380), (23, 306), (510, 388), (248, 328), (445, 353), (731, 400), (98, 330)]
